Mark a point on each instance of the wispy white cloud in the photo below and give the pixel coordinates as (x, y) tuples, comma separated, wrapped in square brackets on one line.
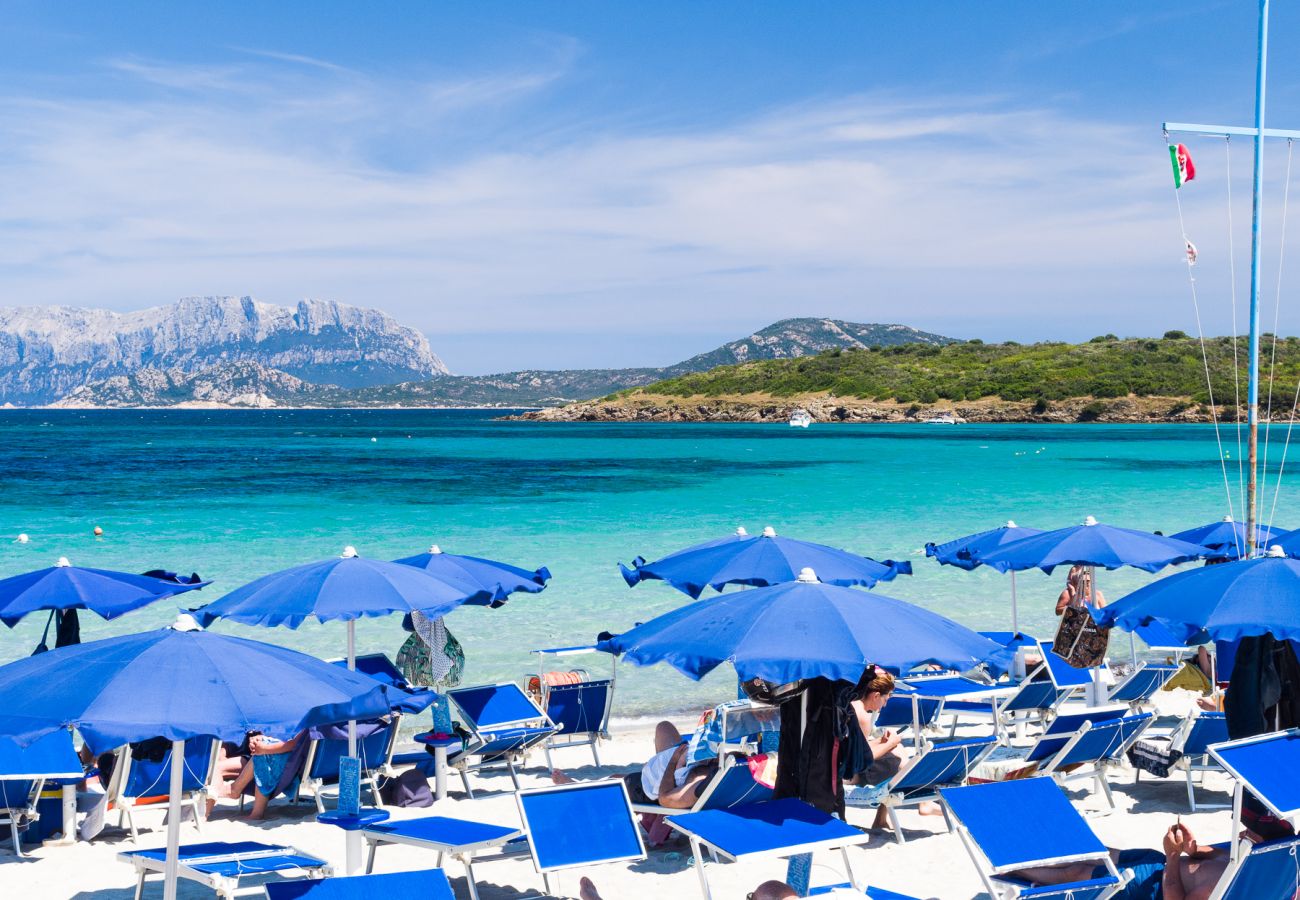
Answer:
[(452, 203)]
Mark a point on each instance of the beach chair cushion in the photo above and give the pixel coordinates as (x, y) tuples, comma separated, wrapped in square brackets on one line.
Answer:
[(1206, 728), (579, 825), (994, 815), (1064, 726), (424, 884), (1104, 741)]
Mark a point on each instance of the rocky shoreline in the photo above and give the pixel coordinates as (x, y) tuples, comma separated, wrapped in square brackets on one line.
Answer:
[(642, 407)]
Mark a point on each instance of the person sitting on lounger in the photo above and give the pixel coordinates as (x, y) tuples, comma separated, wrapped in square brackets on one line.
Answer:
[(868, 760), (666, 778), (1185, 870), (267, 759)]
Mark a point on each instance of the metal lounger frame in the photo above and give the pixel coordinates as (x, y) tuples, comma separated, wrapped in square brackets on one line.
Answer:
[(127, 805), (224, 885)]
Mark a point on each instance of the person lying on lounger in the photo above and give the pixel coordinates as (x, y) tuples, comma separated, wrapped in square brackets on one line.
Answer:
[(768, 890), (666, 778), (1185, 870)]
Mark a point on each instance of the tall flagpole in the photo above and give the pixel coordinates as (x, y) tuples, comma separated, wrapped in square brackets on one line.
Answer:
[(1252, 390)]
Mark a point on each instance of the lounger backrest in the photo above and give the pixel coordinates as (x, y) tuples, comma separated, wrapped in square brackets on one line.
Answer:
[(578, 708), (1063, 674), (428, 884), (733, 786), (941, 765), (580, 825), (1142, 684), (898, 712), (379, 667), (1032, 695), (1205, 729), (495, 705), (996, 816), (1064, 726), (1268, 871), (16, 793), (147, 778), (1267, 766), (372, 750), (1104, 741)]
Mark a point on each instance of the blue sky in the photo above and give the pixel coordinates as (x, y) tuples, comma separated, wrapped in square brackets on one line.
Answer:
[(600, 184)]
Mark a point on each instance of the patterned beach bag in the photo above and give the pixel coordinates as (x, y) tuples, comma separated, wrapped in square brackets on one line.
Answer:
[(1079, 640)]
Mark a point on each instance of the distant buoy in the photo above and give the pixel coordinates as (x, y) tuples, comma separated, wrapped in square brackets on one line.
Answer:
[(22, 539), (99, 532), (374, 440)]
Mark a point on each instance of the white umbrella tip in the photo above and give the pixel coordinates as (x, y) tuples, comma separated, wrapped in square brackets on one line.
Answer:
[(741, 532), (186, 622), (807, 576), (63, 562), (1011, 523), (1276, 551), (1227, 519), (1091, 520), (23, 538), (769, 531), (349, 552), (434, 548)]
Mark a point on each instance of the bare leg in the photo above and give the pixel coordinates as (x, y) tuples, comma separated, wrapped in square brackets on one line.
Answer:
[(587, 890), (259, 806), (1048, 875), (242, 780), (881, 822), (929, 808), (666, 735)]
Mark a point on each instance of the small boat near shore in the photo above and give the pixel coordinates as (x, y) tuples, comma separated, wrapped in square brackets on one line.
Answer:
[(800, 419), (945, 419)]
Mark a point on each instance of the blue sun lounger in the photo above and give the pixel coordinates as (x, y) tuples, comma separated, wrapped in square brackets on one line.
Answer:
[(905, 708), (328, 744), (871, 893), (222, 865), (565, 826), (777, 828), (579, 711), (135, 779), (1138, 689), (505, 725), (1012, 825), (1194, 739), (1266, 766), (732, 786), (946, 764), (425, 884), (23, 773)]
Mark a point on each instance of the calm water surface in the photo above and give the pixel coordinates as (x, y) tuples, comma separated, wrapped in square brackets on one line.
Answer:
[(237, 494)]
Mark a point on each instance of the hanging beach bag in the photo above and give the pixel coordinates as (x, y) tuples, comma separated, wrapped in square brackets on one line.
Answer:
[(1079, 640), (456, 654)]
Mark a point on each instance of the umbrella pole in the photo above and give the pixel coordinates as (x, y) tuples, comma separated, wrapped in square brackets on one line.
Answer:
[(352, 837), (1015, 617), (172, 865)]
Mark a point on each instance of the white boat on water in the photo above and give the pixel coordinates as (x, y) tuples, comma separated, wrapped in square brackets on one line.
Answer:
[(945, 419), (800, 419)]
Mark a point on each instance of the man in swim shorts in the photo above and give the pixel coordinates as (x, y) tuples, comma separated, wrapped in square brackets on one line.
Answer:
[(666, 778)]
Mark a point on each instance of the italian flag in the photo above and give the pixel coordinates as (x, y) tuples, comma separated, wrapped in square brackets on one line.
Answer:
[(1184, 168)]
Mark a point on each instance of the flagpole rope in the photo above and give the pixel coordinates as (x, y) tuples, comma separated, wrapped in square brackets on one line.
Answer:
[(1200, 335), (1236, 363), (1281, 257)]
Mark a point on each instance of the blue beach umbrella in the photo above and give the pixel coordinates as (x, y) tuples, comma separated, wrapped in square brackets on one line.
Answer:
[(1242, 598), (963, 553), (499, 578), (1091, 544), (1227, 538), (1288, 541), (804, 629), (65, 586), (178, 683), (759, 561)]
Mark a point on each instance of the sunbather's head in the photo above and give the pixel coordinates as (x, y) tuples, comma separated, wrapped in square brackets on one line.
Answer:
[(772, 890), (873, 688)]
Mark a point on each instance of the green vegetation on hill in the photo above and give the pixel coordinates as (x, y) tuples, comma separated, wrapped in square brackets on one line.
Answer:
[(920, 373)]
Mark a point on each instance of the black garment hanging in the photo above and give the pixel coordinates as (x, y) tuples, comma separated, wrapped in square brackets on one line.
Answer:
[(812, 730), (68, 630)]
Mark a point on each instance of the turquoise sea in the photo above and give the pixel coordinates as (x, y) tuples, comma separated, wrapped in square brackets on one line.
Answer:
[(236, 494)]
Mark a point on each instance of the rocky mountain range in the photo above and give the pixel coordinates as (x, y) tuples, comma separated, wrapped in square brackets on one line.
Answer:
[(49, 352), (244, 353)]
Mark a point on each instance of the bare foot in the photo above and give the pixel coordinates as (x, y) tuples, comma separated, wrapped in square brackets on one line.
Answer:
[(929, 808), (587, 890), (210, 805), (558, 777)]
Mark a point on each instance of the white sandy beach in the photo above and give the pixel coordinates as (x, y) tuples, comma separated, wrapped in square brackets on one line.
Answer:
[(931, 864)]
